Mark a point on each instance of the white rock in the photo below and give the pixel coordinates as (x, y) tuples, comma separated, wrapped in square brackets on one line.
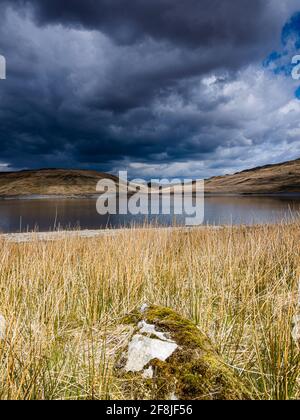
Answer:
[(144, 308), (2, 327), (150, 329), (173, 397), (148, 373), (142, 350)]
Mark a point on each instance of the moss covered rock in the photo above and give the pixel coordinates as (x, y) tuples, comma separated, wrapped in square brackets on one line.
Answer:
[(169, 358)]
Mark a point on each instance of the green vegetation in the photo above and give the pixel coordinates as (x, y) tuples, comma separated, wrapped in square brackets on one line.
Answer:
[(193, 371)]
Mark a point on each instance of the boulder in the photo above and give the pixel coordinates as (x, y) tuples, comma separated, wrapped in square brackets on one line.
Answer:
[(169, 358)]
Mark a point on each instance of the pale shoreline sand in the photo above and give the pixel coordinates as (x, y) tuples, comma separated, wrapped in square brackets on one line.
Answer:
[(61, 235)]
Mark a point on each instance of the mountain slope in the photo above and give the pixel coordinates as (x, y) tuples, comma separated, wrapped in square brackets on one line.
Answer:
[(270, 179), (278, 178), (50, 182)]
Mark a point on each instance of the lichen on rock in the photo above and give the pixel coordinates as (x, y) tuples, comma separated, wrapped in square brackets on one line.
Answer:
[(142, 350), (168, 357)]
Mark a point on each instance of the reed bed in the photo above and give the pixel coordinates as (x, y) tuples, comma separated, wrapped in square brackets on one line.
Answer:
[(63, 301)]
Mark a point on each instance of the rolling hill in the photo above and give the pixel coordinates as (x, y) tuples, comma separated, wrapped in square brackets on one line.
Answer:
[(270, 179), (51, 182)]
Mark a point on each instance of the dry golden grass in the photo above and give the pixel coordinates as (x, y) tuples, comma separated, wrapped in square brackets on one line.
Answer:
[(63, 301)]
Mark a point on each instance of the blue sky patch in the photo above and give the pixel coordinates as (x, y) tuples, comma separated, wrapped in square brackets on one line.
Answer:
[(280, 62), (291, 32), (297, 93)]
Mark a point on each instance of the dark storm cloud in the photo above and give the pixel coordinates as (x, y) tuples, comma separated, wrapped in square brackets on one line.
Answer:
[(190, 22), (108, 83)]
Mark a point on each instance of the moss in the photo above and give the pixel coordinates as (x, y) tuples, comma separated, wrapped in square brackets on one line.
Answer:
[(183, 331), (192, 376), (132, 319), (195, 371)]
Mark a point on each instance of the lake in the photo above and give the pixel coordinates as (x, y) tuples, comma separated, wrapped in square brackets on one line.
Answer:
[(50, 214)]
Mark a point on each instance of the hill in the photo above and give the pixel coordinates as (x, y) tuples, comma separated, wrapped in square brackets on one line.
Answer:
[(51, 182), (270, 179)]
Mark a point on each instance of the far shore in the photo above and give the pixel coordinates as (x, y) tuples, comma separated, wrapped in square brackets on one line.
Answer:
[(96, 196)]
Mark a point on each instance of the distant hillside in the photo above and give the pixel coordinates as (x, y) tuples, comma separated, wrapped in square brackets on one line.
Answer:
[(50, 182), (278, 178)]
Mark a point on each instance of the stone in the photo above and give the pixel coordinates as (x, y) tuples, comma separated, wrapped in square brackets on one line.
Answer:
[(150, 329), (2, 327), (148, 373), (169, 358), (144, 307), (142, 350)]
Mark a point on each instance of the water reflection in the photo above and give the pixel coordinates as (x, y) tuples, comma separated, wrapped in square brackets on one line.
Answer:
[(49, 214)]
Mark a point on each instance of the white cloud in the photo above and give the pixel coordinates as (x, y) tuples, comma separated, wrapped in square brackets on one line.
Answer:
[(252, 119)]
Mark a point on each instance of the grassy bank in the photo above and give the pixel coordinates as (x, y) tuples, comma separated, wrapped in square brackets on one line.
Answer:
[(63, 301)]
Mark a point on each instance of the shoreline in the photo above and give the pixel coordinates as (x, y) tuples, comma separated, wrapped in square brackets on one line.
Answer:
[(32, 197), (59, 235), (92, 233)]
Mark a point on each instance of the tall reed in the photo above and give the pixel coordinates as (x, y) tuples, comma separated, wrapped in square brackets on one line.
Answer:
[(63, 301)]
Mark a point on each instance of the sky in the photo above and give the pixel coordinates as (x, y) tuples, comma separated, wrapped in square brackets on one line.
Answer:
[(166, 88)]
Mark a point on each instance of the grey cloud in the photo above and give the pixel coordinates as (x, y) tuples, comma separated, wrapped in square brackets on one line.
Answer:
[(190, 22), (109, 83)]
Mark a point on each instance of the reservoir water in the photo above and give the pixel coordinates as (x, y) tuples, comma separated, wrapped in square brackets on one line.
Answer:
[(50, 214)]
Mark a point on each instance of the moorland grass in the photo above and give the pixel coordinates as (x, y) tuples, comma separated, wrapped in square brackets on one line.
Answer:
[(63, 301)]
